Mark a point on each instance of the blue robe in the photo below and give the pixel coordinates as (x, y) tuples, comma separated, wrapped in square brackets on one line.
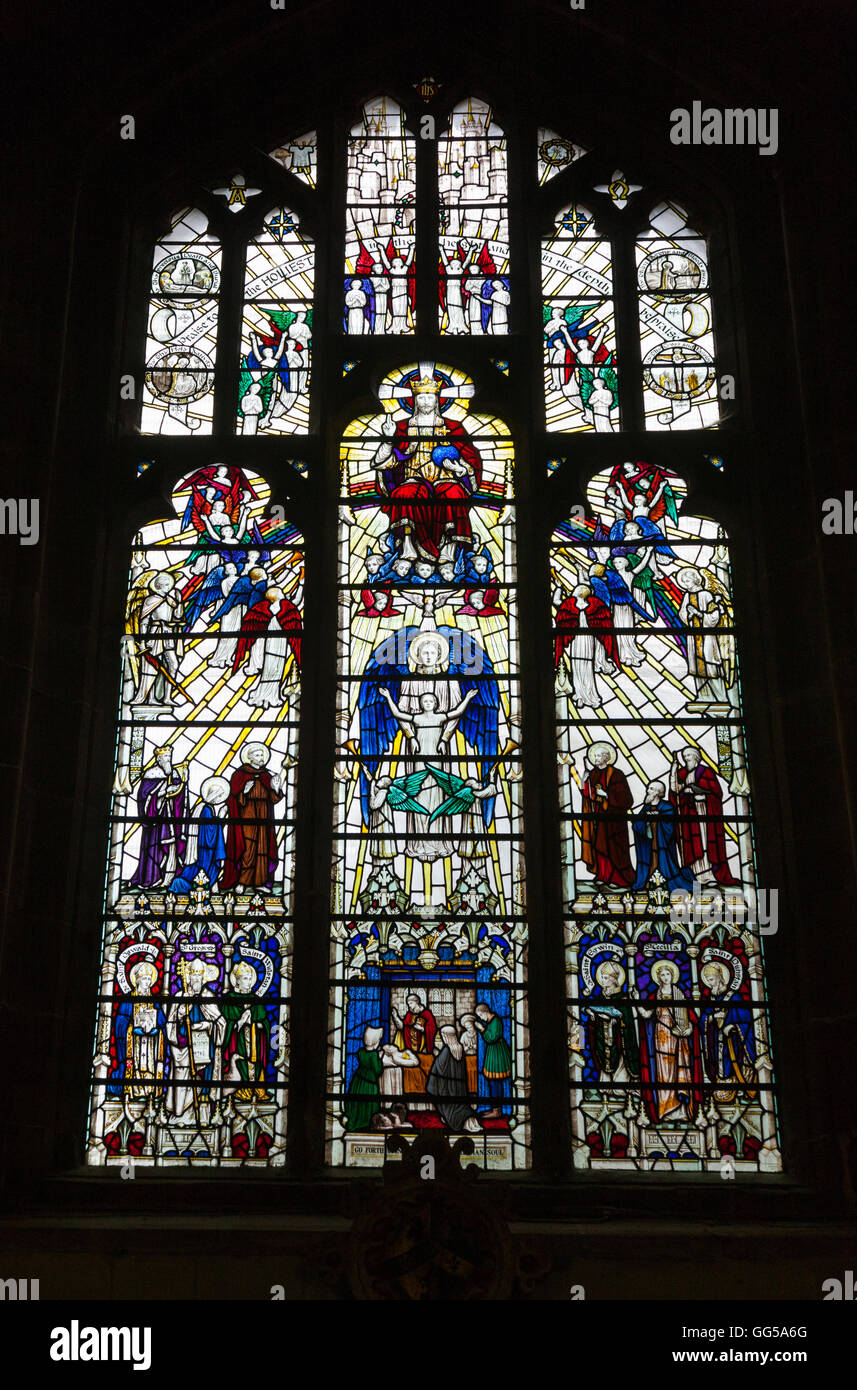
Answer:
[(123, 1031), (654, 841), (211, 852)]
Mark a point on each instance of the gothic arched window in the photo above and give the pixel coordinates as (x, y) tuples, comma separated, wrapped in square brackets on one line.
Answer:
[(462, 550)]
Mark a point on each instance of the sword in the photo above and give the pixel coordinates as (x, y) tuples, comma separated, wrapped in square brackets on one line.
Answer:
[(153, 661)]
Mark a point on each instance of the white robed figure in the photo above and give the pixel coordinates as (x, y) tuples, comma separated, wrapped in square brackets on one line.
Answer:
[(195, 1028), (428, 730), (436, 701)]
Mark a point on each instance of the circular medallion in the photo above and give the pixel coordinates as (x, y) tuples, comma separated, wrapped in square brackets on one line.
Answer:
[(556, 152), (677, 371), (180, 376), (186, 275), (667, 269)]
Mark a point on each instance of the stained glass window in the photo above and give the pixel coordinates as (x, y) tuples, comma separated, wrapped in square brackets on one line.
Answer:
[(668, 1023), (555, 154), (192, 1043), (273, 392), (299, 157), (676, 338), (581, 383), (428, 1018), (182, 335), (428, 951), (473, 242), (379, 293)]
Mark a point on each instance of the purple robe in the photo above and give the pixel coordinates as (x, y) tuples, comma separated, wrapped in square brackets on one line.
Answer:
[(164, 824)]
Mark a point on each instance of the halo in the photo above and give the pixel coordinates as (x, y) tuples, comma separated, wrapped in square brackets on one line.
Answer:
[(675, 973), (595, 747), (147, 965), (256, 748), (214, 791), (690, 575), (614, 965), (436, 639), (719, 965), (243, 963)]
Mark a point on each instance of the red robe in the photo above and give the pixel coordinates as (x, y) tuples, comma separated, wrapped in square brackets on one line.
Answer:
[(251, 842), (433, 509), (606, 845), (420, 1039), (691, 832)]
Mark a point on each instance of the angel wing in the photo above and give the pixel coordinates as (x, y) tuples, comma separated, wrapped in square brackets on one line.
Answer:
[(137, 595), (459, 795), (204, 597), (480, 722), (377, 724), (289, 618), (256, 621), (241, 591), (715, 586), (402, 793)]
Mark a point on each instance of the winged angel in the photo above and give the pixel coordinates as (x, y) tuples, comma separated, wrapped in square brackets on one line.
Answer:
[(154, 618), (706, 610)]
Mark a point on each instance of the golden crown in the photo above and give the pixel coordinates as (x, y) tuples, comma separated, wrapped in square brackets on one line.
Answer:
[(427, 385)]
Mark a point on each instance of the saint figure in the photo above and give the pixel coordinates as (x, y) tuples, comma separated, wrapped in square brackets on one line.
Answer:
[(140, 1039), (655, 842), (162, 808), (669, 1050), (611, 1027), (247, 1034), (195, 1030), (251, 841), (605, 846), (696, 793)]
